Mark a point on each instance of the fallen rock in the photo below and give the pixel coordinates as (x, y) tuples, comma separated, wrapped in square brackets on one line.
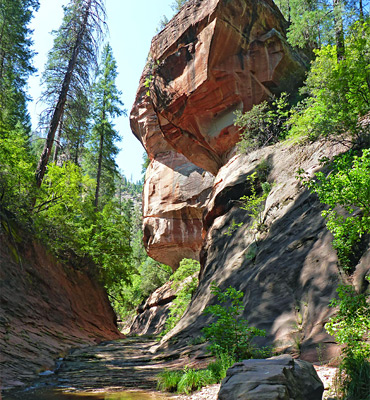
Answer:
[(276, 378)]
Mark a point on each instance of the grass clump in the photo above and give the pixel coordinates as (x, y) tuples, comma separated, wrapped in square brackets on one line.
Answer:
[(168, 380), (189, 379)]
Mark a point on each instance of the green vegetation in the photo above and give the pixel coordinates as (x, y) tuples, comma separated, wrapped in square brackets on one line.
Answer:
[(351, 328), (348, 186), (79, 205), (337, 94), (346, 190), (185, 381), (184, 284), (230, 335), (264, 124), (230, 341), (254, 204)]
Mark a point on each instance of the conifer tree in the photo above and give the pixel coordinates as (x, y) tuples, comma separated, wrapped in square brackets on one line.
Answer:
[(107, 105), (69, 64), (15, 61)]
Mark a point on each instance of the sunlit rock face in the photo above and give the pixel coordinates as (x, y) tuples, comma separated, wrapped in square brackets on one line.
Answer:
[(175, 192), (213, 58)]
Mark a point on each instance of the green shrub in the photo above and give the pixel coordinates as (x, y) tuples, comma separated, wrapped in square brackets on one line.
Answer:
[(264, 124), (338, 93), (187, 268), (254, 204), (351, 328), (229, 334), (348, 186)]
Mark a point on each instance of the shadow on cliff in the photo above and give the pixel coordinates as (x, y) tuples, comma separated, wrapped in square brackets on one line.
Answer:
[(287, 284)]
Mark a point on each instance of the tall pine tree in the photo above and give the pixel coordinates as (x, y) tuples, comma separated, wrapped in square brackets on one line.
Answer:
[(69, 64), (107, 105), (15, 61)]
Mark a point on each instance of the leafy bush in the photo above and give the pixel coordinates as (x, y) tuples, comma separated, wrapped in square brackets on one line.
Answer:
[(338, 92), (229, 334), (127, 296), (186, 269), (348, 186), (17, 183), (351, 328), (264, 124), (254, 204)]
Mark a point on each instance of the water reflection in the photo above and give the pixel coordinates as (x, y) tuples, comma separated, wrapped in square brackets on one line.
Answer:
[(59, 395)]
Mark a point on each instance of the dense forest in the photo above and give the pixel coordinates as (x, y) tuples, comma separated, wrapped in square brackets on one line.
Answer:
[(62, 182)]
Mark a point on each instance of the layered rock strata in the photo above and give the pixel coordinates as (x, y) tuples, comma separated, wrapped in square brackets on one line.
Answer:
[(213, 57), (288, 272), (46, 309)]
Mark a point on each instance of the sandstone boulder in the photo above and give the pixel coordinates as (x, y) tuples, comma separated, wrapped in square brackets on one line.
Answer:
[(276, 378), (213, 57)]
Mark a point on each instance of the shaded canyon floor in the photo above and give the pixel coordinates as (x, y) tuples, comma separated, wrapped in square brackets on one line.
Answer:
[(123, 370), (103, 371)]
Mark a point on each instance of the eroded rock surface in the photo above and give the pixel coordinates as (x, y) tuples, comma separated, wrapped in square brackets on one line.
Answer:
[(152, 316), (46, 308), (175, 192), (290, 275), (276, 378), (213, 57)]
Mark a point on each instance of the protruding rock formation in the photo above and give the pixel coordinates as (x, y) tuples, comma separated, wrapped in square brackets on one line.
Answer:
[(213, 57), (175, 191)]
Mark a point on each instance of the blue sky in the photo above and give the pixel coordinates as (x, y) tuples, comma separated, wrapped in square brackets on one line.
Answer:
[(132, 24)]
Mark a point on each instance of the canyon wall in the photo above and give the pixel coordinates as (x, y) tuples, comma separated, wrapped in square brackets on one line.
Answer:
[(46, 308), (213, 58)]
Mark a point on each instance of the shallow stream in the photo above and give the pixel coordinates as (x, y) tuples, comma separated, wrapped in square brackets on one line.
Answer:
[(56, 394)]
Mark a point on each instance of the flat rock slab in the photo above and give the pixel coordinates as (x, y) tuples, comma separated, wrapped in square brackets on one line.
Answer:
[(118, 365), (276, 378)]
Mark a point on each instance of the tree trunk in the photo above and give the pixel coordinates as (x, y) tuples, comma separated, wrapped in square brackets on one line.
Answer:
[(339, 34), (77, 151), (98, 174), (361, 11), (59, 108), (57, 141)]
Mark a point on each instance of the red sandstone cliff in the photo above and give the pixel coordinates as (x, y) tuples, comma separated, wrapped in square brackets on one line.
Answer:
[(46, 309), (214, 57)]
